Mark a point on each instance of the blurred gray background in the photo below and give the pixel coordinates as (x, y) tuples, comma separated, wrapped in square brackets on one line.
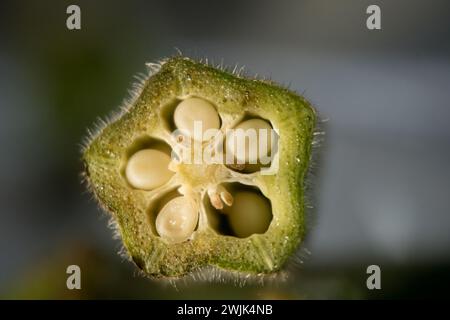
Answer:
[(381, 184)]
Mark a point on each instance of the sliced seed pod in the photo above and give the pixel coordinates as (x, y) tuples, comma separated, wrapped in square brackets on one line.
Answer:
[(175, 216)]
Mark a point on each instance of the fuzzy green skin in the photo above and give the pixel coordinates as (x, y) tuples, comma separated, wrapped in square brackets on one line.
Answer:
[(233, 95)]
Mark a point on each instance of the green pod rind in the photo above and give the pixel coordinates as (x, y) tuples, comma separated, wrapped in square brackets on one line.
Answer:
[(234, 97)]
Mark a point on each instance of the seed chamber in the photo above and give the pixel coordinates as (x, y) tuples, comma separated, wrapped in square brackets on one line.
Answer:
[(224, 196)]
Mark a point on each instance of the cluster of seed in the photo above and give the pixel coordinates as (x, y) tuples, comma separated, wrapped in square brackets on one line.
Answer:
[(247, 212)]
